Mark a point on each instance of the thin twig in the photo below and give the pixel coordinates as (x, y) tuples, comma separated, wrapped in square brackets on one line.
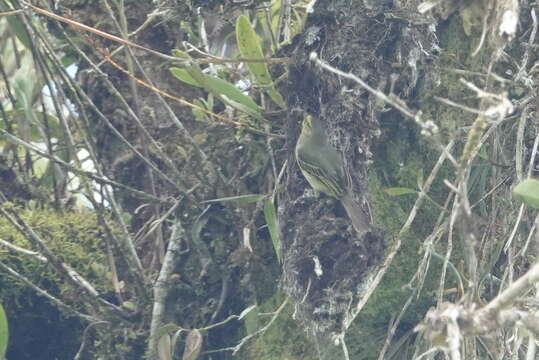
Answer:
[(261, 330), (45, 294), (23, 251), (15, 140), (398, 241), (428, 128), (119, 40)]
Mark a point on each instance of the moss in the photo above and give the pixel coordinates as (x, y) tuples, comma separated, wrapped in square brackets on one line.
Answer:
[(403, 159), (455, 62), (77, 240), (284, 339), (74, 237)]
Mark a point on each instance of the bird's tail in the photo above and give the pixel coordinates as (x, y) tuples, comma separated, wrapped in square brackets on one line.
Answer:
[(360, 220)]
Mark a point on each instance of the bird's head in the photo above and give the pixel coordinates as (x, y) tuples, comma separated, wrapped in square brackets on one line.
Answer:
[(307, 126)]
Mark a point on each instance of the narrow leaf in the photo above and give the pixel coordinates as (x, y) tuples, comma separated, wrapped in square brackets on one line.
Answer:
[(16, 25), (241, 107), (4, 333), (271, 221), (528, 192), (249, 47), (276, 97), (219, 87), (222, 87), (397, 191), (242, 199), (180, 54), (183, 75), (165, 329)]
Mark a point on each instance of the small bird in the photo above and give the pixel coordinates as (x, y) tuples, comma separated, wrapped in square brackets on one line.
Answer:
[(323, 167)]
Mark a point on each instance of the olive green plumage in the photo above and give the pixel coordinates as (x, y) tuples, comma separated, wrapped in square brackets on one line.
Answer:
[(323, 168)]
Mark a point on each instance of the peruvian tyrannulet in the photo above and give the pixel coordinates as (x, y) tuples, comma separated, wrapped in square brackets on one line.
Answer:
[(323, 167)]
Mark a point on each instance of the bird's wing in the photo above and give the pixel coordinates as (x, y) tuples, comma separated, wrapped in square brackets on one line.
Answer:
[(329, 172)]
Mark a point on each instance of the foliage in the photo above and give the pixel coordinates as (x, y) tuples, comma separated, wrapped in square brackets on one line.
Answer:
[(528, 192), (272, 222), (4, 332), (284, 340), (249, 47), (75, 237)]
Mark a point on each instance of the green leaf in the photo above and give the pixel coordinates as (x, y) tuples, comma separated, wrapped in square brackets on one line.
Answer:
[(68, 60), (241, 199), (180, 54), (420, 178), (199, 114), (24, 85), (40, 166), (4, 333), (35, 132), (165, 329), (249, 47), (130, 305), (271, 220), (528, 192), (220, 88), (274, 17), (184, 76), (276, 97), (223, 90), (16, 25), (483, 154), (241, 107), (397, 191)]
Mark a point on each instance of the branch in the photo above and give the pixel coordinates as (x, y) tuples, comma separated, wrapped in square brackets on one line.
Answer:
[(74, 279), (161, 287), (42, 292)]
